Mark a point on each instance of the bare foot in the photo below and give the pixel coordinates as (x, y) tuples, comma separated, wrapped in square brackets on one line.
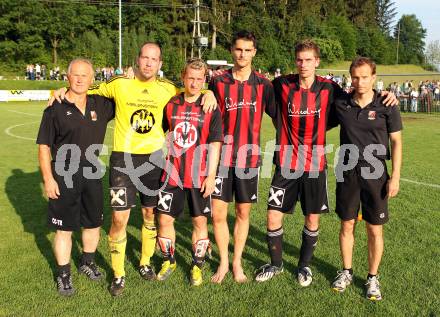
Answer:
[(239, 275), (220, 274)]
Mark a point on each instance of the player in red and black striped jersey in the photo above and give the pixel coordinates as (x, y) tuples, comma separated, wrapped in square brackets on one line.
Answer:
[(301, 121), (194, 142), (304, 104), (243, 103), (191, 132), (243, 95)]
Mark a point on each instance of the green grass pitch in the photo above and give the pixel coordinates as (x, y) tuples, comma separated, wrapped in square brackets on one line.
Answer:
[(410, 270)]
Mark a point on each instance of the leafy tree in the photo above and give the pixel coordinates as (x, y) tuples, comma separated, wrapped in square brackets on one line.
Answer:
[(53, 32), (385, 14), (433, 54), (411, 40), (339, 28), (331, 50)]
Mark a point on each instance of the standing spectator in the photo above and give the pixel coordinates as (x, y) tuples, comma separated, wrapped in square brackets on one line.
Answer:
[(414, 95), (43, 72), (130, 72), (38, 71), (104, 73), (436, 91), (32, 72), (57, 72), (379, 85)]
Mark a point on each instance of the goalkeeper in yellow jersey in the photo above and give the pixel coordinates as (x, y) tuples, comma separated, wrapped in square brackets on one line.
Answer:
[(136, 160)]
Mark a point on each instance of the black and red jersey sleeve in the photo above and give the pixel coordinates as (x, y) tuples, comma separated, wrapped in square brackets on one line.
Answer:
[(215, 127), (337, 93), (269, 100)]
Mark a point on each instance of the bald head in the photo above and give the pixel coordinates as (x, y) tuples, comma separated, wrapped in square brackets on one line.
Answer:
[(149, 61), (150, 45)]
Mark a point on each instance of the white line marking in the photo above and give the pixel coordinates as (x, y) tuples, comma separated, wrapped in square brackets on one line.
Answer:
[(8, 131), (420, 183), (25, 113)]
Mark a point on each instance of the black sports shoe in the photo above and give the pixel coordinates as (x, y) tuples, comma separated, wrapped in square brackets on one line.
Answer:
[(267, 272), (147, 272), (117, 286), (65, 285), (91, 271)]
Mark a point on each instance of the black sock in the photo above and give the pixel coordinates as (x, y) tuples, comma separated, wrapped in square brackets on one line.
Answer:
[(309, 241), (64, 269), (275, 245), (199, 261), (349, 270), (370, 276), (87, 258)]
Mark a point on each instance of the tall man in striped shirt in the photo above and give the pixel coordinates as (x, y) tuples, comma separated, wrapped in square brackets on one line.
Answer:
[(304, 102), (243, 95)]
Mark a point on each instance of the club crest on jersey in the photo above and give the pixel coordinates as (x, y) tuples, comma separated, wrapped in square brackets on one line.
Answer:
[(276, 196), (372, 115), (142, 121), (164, 201), (93, 115), (118, 197), (185, 134)]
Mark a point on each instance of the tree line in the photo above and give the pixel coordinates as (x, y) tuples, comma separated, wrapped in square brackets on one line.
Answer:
[(52, 32)]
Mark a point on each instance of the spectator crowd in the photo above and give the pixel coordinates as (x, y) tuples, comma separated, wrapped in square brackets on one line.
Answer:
[(41, 72)]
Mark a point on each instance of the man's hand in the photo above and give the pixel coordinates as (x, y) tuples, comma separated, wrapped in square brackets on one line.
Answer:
[(208, 101), (390, 98), (392, 187), (208, 186), (218, 72), (57, 95), (51, 189)]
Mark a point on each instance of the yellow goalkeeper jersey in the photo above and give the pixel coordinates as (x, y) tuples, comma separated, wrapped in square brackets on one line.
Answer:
[(139, 111)]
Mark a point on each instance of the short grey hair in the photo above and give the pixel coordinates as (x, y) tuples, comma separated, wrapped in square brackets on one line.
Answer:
[(76, 60)]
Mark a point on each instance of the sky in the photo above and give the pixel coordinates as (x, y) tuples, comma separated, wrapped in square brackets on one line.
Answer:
[(427, 12)]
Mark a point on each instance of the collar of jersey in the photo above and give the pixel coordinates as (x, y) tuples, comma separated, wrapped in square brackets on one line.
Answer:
[(89, 102), (377, 101), (180, 100), (228, 78)]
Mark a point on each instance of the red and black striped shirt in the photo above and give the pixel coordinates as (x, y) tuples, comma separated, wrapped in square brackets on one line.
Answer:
[(242, 105), (301, 122), (190, 132)]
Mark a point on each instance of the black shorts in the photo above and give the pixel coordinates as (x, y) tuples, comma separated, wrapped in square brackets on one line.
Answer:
[(239, 182), (311, 192), (76, 207), (356, 190), (123, 189), (171, 201)]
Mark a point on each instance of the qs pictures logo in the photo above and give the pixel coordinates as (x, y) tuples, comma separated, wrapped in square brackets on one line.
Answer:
[(142, 121)]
